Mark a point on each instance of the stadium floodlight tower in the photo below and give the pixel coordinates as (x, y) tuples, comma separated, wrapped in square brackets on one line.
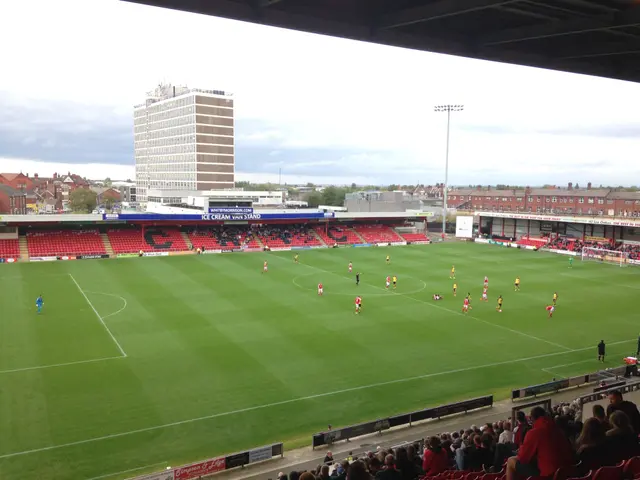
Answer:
[(448, 109)]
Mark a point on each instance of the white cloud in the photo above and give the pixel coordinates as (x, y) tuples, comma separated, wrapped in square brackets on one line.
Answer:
[(320, 92)]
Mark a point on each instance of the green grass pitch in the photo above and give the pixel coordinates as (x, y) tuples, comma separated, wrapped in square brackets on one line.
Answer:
[(219, 356)]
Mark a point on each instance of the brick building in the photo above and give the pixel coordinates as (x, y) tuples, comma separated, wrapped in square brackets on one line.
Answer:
[(18, 181), (104, 194), (14, 201), (555, 200)]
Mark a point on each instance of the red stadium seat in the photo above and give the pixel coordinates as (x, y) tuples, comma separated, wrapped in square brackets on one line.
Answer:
[(10, 248), (132, 240), (65, 243), (378, 234), (284, 237), (414, 237), (585, 477), (341, 235), (491, 476), (632, 468), (609, 473), (532, 242), (564, 473)]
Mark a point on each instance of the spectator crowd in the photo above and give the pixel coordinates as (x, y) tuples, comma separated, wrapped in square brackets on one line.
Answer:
[(538, 446)]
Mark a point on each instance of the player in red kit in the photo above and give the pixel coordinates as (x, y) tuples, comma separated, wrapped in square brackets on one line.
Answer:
[(265, 268), (465, 305), (551, 309), (320, 289), (484, 295), (387, 282), (486, 283), (350, 267), (358, 305)]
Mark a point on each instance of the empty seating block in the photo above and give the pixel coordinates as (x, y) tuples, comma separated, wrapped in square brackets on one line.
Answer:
[(378, 234), (415, 237), (9, 248), (532, 242), (65, 242)]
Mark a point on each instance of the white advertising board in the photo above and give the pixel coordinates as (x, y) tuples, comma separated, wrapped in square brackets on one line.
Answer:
[(464, 226)]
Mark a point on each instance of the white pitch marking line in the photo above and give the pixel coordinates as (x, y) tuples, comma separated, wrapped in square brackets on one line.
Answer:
[(42, 367), (127, 471), (517, 332), (115, 296), (295, 400), (99, 316)]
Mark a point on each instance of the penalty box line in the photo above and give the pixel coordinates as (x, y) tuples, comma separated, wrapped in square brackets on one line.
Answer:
[(445, 309), (100, 318), (44, 367), (294, 400)]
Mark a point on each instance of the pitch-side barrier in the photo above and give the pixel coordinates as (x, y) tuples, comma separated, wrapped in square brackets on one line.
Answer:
[(331, 436), (212, 466)]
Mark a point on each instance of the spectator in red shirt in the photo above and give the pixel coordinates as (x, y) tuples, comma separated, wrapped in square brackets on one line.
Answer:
[(436, 458), (545, 449)]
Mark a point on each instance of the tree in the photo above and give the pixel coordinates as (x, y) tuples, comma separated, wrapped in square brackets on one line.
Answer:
[(83, 200), (107, 182), (108, 203), (333, 196), (314, 199)]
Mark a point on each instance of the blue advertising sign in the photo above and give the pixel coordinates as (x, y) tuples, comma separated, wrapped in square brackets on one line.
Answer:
[(232, 210)]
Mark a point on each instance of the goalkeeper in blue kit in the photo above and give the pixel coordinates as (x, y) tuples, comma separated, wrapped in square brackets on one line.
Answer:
[(39, 304)]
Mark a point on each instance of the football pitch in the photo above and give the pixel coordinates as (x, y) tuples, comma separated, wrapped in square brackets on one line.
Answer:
[(137, 364)]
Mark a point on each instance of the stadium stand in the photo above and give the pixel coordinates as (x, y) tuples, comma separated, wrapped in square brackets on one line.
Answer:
[(532, 242), (378, 234), (575, 245), (340, 235), (9, 248), (132, 240), (65, 242), (216, 238), (414, 237), (275, 236), (599, 449)]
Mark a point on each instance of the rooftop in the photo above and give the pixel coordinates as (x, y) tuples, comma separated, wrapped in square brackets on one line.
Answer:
[(592, 37)]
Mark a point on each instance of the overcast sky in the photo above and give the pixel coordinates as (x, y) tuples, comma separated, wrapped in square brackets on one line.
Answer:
[(322, 109)]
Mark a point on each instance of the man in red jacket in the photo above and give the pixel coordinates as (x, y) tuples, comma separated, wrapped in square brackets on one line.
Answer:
[(545, 449)]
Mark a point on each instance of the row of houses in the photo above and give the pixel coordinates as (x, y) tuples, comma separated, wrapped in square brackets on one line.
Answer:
[(21, 193), (556, 200)]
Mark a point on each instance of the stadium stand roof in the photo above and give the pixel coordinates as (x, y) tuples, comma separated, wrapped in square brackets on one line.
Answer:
[(593, 37)]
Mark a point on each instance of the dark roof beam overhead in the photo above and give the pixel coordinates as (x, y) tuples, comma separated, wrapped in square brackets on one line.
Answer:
[(439, 9), (590, 5), (626, 18), (527, 13), (601, 50)]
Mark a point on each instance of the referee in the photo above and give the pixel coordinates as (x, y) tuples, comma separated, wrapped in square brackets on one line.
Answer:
[(601, 349)]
